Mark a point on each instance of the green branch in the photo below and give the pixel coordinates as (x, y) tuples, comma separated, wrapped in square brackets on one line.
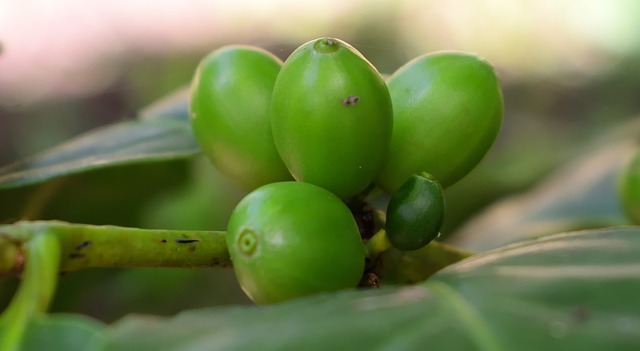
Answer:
[(41, 250), (90, 246)]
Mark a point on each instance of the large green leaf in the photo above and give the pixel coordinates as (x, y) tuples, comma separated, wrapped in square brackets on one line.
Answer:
[(116, 195), (173, 106), (161, 133), (582, 194), (575, 291), (64, 332)]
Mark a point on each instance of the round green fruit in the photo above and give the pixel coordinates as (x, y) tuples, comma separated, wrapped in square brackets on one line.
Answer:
[(447, 113), (292, 239), (415, 213), (331, 117), (229, 109), (630, 189)]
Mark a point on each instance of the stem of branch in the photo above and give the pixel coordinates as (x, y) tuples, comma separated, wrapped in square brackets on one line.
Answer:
[(89, 246), (36, 291)]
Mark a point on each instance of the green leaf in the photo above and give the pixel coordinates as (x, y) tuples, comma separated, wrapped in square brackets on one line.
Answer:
[(575, 291), (63, 332), (161, 133), (203, 202), (173, 106), (582, 194), (117, 195)]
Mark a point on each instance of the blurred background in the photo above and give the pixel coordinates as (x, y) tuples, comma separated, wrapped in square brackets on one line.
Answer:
[(570, 71)]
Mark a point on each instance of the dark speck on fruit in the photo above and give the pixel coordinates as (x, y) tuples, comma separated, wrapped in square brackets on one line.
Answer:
[(351, 100)]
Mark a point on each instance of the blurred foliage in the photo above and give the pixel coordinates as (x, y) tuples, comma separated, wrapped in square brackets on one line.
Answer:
[(205, 202), (109, 294), (102, 197), (582, 194)]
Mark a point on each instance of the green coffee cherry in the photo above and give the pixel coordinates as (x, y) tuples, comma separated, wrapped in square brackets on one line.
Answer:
[(630, 189), (230, 101), (293, 239), (415, 213), (447, 113), (331, 117)]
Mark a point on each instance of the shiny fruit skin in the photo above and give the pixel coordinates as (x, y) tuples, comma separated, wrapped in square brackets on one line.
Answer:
[(229, 109), (292, 239), (415, 213), (447, 110), (331, 117)]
